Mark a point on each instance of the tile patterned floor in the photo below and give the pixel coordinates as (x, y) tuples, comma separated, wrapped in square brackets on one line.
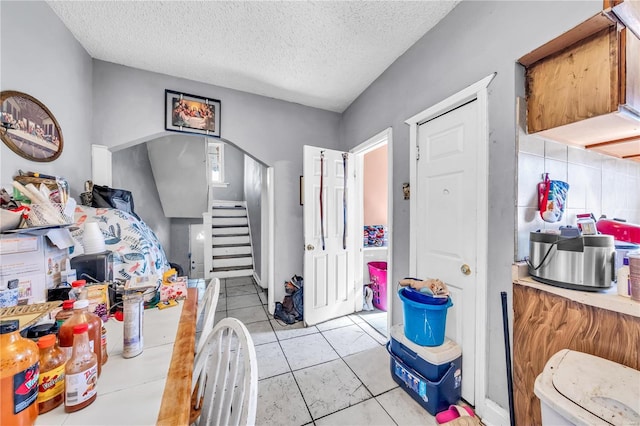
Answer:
[(335, 373)]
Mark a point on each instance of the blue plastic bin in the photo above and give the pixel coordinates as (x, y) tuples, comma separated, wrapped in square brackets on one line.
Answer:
[(424, 323), (433, 396), (432, 362)]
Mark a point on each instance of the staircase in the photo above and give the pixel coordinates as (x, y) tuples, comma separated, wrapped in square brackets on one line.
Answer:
[(231, 254)]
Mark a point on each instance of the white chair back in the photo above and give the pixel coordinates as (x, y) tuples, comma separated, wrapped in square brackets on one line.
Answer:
[(225, 376), (207, 312)]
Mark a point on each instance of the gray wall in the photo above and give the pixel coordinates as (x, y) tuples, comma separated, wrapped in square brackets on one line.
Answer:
[(40, 57), (254, 172), (179, 168), (179, 252), (476, 39), (269, 130), (132, 171), (233, 176)]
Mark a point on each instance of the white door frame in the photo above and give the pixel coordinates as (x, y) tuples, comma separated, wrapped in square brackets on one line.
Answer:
[(357, 223), (271, 237), (475, 91)]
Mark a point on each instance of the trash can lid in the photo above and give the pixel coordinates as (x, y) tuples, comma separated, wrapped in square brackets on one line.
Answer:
[(606, 389), (437, 355)]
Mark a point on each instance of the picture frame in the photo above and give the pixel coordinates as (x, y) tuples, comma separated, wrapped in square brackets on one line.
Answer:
[(28, 128), (187, 113)]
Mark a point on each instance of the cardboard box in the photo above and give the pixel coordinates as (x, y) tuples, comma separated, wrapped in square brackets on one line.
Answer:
[(34, 262), (175, 290)]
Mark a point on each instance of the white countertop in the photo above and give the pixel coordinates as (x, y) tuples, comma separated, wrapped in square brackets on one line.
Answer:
[(607, 299), (129, 390)]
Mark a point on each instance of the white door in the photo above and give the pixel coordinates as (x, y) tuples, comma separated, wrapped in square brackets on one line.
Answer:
[(446, 209), (328, 278), (196, 251)]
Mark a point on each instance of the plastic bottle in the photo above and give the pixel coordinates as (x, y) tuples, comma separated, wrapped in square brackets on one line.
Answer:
[(103, 341), (18, 376), (51, 381), (132, 328), (78, 290), (81, 315), (65, 313), (81, 372), (623, 278)]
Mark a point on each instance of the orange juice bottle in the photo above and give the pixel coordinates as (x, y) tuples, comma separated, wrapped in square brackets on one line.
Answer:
[(18, 376), (51, 382)]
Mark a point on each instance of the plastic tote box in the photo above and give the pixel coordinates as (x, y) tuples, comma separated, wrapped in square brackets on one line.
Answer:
[(581, 389), (430, 375), (430, 361)]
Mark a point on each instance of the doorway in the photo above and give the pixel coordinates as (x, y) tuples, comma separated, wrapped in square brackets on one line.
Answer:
[(449, 176), (373, 164)]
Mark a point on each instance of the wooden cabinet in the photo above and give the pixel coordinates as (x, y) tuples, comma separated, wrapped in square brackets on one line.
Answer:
[(544, 323), (583, 88)]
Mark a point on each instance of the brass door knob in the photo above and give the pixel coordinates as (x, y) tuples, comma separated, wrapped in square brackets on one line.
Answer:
[(310, 247), (465, 269)]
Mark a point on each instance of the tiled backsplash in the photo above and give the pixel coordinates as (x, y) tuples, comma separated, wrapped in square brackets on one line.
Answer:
[(599, 184)]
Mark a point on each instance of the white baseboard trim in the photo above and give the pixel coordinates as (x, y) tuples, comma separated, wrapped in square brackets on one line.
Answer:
[(257, 279), (494, 415)]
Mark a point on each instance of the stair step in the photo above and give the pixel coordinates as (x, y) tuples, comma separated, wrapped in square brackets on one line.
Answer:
[(231, 250), (229, 230), (228, 213), (230, 239), (230, 207), (233, 268), (244, 261), (229, 221), (232, 273), (231, 256)]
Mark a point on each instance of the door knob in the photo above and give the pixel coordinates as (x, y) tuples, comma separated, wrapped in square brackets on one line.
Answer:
[(310, 247), (465, 269)]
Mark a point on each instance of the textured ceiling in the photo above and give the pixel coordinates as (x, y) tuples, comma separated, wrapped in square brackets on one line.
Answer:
[(317, 53)]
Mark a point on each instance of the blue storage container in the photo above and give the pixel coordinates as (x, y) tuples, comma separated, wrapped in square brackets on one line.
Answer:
[(424, 323), (432, 362), (433, 396)]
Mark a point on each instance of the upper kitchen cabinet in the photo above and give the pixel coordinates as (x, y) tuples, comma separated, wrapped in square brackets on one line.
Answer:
[(583, 87)]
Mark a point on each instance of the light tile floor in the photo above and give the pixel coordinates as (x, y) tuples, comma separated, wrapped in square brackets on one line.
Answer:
[(335, 373)]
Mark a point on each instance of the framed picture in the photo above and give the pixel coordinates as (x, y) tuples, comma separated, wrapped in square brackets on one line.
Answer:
[(28, 128), (191, 114)]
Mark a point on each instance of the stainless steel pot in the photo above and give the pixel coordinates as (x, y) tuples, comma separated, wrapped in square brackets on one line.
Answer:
[(581, 263)]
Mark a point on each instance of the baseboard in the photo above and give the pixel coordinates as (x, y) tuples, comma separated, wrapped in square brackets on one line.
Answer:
[(494, 415), (257, 280)]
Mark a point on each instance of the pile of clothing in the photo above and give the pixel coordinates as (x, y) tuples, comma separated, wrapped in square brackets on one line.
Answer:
[(291, 309)]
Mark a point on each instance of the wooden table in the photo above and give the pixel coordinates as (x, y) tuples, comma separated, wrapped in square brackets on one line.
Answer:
[(153, 387)]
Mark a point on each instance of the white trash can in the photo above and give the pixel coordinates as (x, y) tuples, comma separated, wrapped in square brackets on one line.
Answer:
[(581, 389)]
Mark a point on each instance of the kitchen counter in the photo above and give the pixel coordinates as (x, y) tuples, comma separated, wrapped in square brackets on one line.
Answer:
[(607, 299), (547, 319)]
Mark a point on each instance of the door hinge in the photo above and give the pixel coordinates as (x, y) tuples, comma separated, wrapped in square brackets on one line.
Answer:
[(417, 152)]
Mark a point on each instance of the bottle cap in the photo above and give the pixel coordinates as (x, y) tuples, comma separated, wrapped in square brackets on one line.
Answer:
[(8, 326), (68, 304), (79, 283), (47, 341), (80, 328), (39, 330), (80, 304)]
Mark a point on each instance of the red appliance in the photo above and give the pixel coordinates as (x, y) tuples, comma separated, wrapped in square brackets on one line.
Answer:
[(621, 230)]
